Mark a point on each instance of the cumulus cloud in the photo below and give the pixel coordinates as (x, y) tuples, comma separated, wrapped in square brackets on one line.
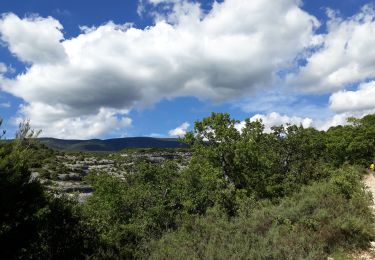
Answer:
[(346, 55), (341, 118), (33, 39), (179, 131), (275, 119), (55, 121), (361, 99), (231, 50), (3, 68), (335, 120), (342, 57)]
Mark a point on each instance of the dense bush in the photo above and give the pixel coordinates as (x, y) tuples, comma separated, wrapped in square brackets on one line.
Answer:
[(34, 225), (152, 200), (292, 193), (353, 143), (198, 211), (308, 225)]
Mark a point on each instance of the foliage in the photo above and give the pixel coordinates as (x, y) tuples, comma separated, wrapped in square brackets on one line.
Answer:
[(353, 143), (32, 223), (151, 201), (308, 225), (266, 165), (312, 209), (287, 193)]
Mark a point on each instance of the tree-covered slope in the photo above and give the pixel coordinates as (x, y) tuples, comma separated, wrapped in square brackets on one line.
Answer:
[(110, 144), (291, 193)]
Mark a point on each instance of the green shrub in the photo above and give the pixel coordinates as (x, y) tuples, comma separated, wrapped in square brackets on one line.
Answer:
[(34, 225), (308, 225)]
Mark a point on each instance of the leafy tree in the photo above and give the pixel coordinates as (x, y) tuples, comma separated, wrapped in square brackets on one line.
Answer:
[(153, 200), (20, 198), (214, 138), (243, 193), (32, 223), (267, 165), (352, 143)]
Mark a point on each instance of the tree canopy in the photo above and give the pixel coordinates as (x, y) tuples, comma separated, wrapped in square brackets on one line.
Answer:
[(289, 193)]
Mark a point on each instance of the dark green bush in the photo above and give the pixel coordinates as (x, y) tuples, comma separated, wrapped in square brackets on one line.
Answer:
[(308, 225), (288, 194), (34, 225)]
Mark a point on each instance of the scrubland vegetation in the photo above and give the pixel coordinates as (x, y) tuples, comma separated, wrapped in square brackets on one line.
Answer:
[(293, 193)]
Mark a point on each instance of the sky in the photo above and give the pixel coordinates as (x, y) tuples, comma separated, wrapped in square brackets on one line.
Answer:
[(105, 69)]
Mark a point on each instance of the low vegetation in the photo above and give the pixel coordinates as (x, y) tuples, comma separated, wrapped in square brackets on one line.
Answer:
[(293, 193), (311, 224)]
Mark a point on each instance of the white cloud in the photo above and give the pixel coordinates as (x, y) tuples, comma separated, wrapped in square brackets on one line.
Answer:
[(231, 51), (341, 118), (335, 120), (33, 39), (361, 99), (3, 68), (346, 55), (275, 119), (156, 135), (56, 122), (179, 131)]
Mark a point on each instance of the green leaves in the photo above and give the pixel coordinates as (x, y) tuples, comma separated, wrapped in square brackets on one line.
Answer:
[(244, 193), (214, 202), (354, 144), (265, 164), (34, 225), (310, 224)]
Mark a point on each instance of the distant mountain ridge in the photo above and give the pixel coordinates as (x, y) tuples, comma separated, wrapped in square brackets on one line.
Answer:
[(116, 144)]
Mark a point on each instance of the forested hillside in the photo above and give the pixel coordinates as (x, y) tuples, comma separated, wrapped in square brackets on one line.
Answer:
[(110, 145), (293, 193)]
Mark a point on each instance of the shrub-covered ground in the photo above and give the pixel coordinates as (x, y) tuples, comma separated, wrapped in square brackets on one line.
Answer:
[(320, 219), (293, 193)]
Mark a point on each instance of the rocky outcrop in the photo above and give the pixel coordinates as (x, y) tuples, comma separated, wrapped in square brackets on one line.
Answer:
[(68, 170)]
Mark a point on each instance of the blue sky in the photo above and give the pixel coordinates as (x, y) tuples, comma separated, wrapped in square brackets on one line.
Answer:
[(102, 69)]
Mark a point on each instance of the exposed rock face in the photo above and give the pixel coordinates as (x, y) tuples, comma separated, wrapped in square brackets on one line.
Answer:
[(68, 170), (161, 156)]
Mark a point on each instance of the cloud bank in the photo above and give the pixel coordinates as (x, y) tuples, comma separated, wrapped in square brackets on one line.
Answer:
[(214, 56), (346, 54), (361, 99), (85, 86), (276, 119)]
